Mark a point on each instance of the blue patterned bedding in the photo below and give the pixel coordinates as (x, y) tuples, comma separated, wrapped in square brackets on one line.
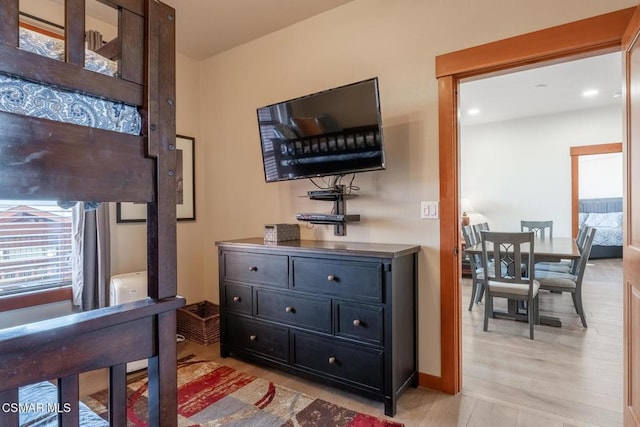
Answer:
[(608, 236), (36, 100), (608, 227), (39, 407)]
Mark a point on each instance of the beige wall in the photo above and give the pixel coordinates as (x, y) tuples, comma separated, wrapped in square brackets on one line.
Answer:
[(396, 41), (128, 241)]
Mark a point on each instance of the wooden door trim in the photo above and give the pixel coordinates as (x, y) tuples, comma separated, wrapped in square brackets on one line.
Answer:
[(581, 38), (631, 255), (586, 150), (450, 265), (599, 33), (576, 152)]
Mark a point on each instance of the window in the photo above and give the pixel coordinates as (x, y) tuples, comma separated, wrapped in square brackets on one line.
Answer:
[(35, 246)]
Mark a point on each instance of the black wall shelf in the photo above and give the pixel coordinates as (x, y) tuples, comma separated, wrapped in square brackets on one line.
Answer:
[(339, 199)]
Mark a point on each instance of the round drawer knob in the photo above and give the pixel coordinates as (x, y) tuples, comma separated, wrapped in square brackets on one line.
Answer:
[(236, 299), (331, 278), (332, 360), (253, 268), (289, 309), (253, 337), (356, 322)]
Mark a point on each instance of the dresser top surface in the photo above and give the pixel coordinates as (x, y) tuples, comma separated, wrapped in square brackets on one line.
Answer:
[(386, 250)]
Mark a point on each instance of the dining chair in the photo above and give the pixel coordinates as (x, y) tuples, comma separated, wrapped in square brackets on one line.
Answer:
[(582, 236), (538, 227), (566, 265), (572, 281), (475, 264), (477, 228), (509, 250)]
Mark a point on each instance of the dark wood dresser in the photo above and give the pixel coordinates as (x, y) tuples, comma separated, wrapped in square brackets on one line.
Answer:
[(340, 313)]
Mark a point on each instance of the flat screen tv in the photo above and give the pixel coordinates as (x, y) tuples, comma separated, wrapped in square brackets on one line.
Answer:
[(333, 132)]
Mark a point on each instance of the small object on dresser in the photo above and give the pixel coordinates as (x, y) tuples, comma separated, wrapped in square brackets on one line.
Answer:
[(281, 232), (199, 322)]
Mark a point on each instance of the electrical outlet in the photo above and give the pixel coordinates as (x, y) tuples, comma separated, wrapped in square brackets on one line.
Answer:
[(428, 210)]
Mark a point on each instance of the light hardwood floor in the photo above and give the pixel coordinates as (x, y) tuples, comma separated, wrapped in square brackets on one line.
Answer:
[(566, 377), (570, 375)]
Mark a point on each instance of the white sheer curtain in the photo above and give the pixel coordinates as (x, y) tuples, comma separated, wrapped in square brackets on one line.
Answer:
[(90, 257)]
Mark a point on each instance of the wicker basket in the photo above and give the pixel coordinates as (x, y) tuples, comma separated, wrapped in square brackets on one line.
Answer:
[(200, 322)]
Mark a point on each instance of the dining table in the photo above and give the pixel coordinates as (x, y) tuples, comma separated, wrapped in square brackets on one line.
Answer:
[(544, 250)]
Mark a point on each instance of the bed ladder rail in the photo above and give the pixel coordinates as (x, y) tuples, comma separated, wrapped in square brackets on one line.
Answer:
[(68, 406), (9, 21), (118, 395)]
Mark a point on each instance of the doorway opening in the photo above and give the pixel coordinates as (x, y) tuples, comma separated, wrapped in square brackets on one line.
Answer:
[(580, 39), (514, 166), (588, 162)]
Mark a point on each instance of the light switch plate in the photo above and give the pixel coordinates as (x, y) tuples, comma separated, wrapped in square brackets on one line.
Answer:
[(429, 210)]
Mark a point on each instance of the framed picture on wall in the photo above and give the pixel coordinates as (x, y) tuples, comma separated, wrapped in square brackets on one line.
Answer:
[(127, 212)]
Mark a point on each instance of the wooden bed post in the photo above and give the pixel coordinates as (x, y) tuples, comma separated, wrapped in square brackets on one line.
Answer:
[(74, 22), (161, 213), (9, 21)]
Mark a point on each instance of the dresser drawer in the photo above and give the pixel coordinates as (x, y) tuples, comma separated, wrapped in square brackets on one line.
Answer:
[(303, 312), (353, 279), (357, 365), (257, 337), (262, 269), (359, 322), (238, 298)]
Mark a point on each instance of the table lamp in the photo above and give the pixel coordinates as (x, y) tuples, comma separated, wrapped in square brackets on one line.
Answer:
[(466, 207)]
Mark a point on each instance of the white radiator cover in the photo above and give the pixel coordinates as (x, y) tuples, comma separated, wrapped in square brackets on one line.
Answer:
[(126, 288)]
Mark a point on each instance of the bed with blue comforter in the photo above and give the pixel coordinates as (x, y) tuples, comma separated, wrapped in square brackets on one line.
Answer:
[(605, 215)]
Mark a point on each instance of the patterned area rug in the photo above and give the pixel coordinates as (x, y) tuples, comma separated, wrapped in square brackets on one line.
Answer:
[(210, 394)]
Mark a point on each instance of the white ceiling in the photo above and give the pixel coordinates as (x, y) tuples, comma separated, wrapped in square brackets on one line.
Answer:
[(207, 27), (544, 90)]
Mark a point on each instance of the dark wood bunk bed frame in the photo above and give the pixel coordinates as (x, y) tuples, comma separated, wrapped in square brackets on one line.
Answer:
[(47, 160)]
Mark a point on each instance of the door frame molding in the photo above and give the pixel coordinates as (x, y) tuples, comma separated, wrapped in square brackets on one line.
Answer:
[(579, 39), (576, 152)]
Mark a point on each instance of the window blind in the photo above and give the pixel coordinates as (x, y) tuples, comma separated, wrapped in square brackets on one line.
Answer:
[(35, 246)]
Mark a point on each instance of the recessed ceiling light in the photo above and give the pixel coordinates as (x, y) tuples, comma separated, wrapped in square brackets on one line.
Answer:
[(617, 94), (473, 111), (590, 92), (540, 86)]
